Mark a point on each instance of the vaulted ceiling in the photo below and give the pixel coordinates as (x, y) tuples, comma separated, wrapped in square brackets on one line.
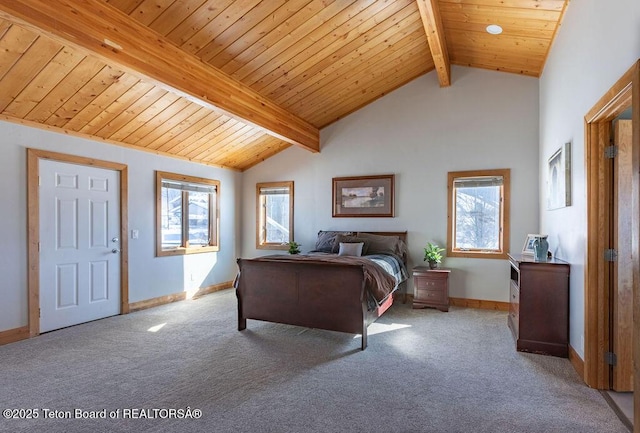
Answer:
[(232, 82)]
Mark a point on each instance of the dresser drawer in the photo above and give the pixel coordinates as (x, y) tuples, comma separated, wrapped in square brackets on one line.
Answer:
[(514, 299)]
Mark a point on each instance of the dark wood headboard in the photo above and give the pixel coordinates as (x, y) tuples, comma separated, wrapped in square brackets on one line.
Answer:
[(401, 235)]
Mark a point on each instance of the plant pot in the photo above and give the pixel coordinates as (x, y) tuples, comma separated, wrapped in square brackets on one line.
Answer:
[(433, 265)]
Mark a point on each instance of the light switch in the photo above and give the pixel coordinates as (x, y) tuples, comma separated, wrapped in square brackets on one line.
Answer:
[(134, 234)]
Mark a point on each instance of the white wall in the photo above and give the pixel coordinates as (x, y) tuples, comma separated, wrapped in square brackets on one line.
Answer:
[(420, 132), (149, 276), (597, 43)]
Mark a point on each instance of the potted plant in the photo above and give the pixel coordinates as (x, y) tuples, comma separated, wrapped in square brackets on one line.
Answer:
[(432, 255), (294, 247)]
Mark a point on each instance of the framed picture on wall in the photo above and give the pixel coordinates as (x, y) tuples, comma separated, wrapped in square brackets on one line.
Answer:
[(559, 178), (363, 196)]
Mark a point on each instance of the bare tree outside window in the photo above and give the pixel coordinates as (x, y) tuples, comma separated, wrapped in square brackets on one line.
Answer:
[(274, 209), (478, 213), (478, 217)]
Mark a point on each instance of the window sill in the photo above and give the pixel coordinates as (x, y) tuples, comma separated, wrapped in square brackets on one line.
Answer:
[(478, 254), (272, 247), (186, 251)]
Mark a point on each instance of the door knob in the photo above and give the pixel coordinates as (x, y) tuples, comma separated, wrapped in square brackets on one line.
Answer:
[(115, 251), (114, 240)]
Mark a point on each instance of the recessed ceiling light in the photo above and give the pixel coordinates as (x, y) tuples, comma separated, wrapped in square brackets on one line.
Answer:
[(494, 29)]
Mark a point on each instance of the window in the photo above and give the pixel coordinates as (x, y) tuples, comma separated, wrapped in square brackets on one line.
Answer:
[(274, 226), (478, 219), (186, 213)]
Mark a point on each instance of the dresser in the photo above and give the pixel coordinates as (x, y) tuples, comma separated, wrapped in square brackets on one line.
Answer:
[(539, 305), (431, 288)]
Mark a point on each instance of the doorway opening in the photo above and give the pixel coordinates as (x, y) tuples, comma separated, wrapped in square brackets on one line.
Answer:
[(611, 280)]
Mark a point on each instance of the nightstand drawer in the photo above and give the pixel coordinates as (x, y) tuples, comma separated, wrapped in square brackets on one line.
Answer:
[(422, 283), (430, 295)]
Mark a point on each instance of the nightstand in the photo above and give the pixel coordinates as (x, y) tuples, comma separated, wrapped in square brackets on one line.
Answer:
[(431, 288)]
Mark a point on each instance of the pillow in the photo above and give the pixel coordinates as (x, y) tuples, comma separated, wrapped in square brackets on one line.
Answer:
[(402, 249), (379, 244), (349, 239), (326, 240), (350, 249)]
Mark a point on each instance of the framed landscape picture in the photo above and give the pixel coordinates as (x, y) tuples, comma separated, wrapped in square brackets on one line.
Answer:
[(363, 196)]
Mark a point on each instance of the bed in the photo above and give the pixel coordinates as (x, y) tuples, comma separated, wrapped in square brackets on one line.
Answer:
[(322, 289)]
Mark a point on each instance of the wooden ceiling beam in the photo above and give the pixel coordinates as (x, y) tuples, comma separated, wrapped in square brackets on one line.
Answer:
[(435, 35), (120, 40)]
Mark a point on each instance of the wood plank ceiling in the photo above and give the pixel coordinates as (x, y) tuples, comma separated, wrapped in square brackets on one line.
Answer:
[(317, 59)]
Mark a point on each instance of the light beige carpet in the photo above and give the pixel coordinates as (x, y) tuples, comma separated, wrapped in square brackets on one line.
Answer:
[(424, 371)]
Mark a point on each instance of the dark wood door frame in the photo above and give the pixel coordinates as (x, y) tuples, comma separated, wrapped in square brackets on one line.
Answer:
[(624, 94)]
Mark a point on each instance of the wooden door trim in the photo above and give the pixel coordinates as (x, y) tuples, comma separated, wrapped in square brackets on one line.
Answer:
[(33, 227), (625, 93)]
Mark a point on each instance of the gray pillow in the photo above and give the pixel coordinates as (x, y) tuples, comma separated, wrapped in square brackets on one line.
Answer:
[(326, 239), (379, 244), (402, 249), (350, 239), (350, 249)]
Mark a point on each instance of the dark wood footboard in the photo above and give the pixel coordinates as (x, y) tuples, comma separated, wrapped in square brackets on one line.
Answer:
[(315, 295)]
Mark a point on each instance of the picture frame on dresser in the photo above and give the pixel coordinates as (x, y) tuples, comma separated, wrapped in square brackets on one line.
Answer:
[(527, 248)]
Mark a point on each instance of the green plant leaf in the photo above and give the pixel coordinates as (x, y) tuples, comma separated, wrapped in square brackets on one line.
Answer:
[(432, 253)]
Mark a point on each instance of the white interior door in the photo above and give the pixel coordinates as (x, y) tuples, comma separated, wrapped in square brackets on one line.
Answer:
[(79, 244)]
